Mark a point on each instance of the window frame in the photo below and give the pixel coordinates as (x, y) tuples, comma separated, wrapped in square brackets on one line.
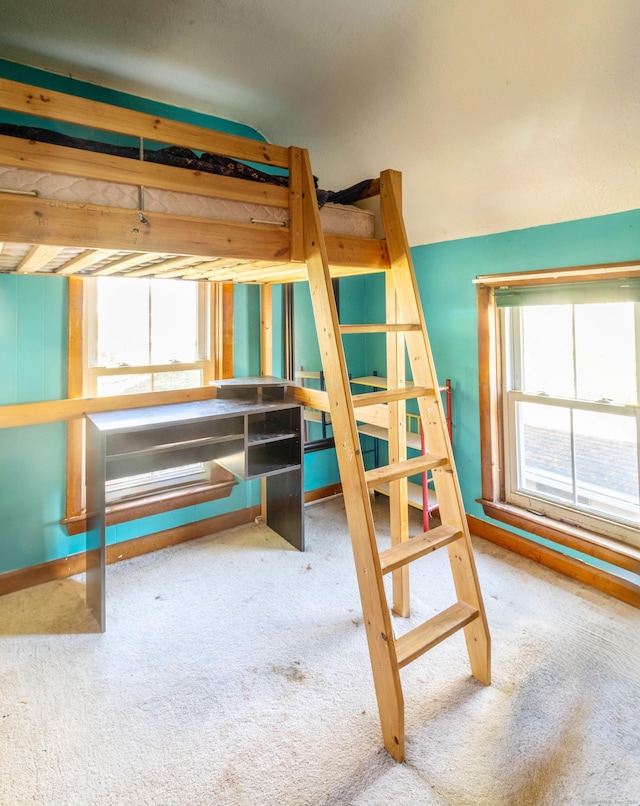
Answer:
[(492, 412), (220, 360), (93, 372)]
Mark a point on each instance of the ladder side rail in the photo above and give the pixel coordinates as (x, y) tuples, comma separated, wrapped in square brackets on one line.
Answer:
[(433, 419), (377, 618)]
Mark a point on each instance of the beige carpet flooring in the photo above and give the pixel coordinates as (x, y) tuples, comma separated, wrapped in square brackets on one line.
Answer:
[(234, 671)]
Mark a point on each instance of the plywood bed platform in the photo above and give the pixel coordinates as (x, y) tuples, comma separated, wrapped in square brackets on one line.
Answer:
[(79, 212)]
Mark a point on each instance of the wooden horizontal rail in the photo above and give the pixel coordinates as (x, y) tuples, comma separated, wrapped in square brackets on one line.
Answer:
[(403, 469), (52, 105), (378, 328), (31, 155), (43, 221), (423, 638), (347, 251), (409, 550), (52, 411), (29, 220), (390, 395), (314, 398), (377, 415)]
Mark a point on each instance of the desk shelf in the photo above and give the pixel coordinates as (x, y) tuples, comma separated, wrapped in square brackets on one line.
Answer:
[(170, 454), (252, 428)]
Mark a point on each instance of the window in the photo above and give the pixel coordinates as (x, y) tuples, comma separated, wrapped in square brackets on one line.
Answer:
[(571, 413), (560, 403), (152, 338), (147, 336)]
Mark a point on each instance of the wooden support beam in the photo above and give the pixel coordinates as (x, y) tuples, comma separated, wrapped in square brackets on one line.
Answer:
[(295, 204), (37, 258), (31, 100), (29, 220), (165, 268), (123, 264), (75, 390), (84, 260), (266, 330)]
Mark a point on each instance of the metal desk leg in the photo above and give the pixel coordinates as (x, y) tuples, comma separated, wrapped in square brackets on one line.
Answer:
[(95, 546)]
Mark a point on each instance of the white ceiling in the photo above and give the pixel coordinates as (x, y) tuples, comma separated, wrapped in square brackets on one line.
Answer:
[(501, 114)]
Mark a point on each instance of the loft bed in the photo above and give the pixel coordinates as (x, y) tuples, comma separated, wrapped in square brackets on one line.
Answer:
[(138, 241), (72, 208)]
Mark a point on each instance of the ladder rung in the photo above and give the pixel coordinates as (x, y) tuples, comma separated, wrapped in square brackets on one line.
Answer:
[(389, 395), (423, 638), (416, 547), (404, 469), (379, 328)]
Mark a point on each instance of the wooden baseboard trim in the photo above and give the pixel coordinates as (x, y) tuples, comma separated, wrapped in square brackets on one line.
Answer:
[(619, 588), (75, 564), (323, 492), (598, 546)]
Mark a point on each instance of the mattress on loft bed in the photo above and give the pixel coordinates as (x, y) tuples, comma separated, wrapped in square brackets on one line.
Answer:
[(338, 219), (337, 214)]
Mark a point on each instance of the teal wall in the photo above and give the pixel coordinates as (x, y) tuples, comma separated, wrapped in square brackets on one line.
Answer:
[(445, 272), (33, 328), (32, 459), (359, 299)]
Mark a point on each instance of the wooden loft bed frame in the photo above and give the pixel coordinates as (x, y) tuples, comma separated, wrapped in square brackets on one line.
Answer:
[(113, 240), (107, 240), (123, 242)]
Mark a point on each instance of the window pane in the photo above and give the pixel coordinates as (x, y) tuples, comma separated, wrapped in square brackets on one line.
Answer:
[(174, 321), (607, 463), (547, 350), (544, 451), (605, 352), (123, 322), (123, 384), (163, 381)]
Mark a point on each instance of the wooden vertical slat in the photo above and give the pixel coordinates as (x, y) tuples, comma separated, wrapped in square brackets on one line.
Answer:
[(227, 335), (221, 329), (266, 363), (85, 260), (489, 394), (397, 445), (266, 329), (37, 258), (75, 389), (295, 205)]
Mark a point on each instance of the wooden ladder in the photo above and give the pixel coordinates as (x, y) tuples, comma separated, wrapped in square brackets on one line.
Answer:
[(405, 326)]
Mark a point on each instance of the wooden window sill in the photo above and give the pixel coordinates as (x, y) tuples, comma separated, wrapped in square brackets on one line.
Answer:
[(155, 504), (598, 546)]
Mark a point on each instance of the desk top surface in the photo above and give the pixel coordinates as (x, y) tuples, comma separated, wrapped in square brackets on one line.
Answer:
[(177, 413)]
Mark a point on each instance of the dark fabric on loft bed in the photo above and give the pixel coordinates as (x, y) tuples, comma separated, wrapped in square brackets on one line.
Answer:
[(184, 158)]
